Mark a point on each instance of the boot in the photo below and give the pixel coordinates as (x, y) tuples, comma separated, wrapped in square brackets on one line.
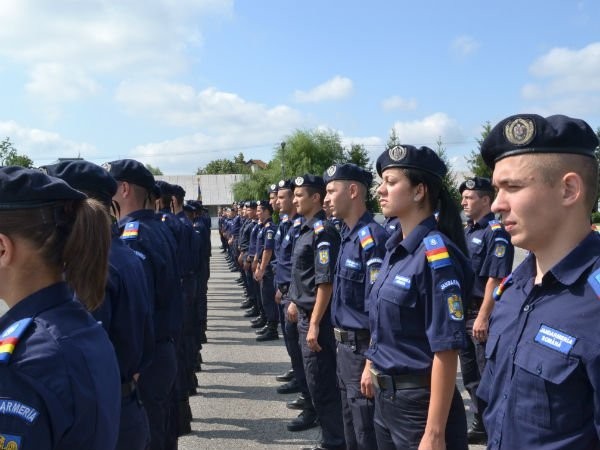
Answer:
[(286, 376), (270, 334), (307, 419), (252, 312), (476, 433), (262, 331), (261, 323)]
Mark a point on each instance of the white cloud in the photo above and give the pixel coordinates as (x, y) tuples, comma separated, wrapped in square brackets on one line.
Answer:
[(396, 102), (44, 147), (56, 83), (107, 38), (464, 45), (427, 130), (335, 89), (566, 81)]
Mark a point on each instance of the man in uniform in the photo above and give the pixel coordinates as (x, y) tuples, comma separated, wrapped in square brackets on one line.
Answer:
[(150, 238), (361, 254), (313, 265), (491, 255), (541, 382)]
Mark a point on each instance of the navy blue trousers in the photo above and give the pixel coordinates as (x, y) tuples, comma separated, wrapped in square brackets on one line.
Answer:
[(134, 431)]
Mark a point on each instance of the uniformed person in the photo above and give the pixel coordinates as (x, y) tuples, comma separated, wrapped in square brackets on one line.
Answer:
[(391, 225), (249, 215), (59, 378), (313, 265), (416, 314), (125, 313), (491, 255), (542, 378), (250, 266), (143, 231), (361, 254)]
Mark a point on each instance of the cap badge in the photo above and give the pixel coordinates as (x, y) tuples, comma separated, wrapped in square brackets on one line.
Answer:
[(519, 131), (397, 153), (470, 184), (331, 170), (299, 181), (106, 166), (273, 187), (43, 170), (281, 183)]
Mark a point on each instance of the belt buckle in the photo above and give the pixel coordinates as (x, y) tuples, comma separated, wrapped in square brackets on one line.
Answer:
[(375, 378), (340, 335)]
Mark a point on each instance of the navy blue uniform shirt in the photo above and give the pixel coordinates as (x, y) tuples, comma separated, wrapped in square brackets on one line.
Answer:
[(391, 225), (360, 258), (490, 250), (542, 378), (313, 260), (61, 387), (266, 241), (153, 242), (284, 246), (416, 304), (253, 239)]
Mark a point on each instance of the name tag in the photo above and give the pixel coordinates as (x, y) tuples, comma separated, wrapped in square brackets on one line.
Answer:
[(554, 339), (403, 282), (476, 241), (356, 265)]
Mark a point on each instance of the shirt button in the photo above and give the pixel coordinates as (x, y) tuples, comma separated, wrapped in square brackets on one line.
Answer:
[(505, 396), (526, 308)]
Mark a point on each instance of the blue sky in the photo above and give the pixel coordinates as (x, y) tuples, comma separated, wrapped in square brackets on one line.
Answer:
[(177, 83)]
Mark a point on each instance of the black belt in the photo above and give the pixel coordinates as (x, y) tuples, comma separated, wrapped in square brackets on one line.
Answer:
[(397, 382), (127, 389), (351, 336)]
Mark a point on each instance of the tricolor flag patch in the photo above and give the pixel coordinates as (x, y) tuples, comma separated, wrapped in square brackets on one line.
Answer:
[(495, 225), (366, 240), (594, 280), (318, 226), (10, 337), (436, 252), (131, 230), (507, 281)]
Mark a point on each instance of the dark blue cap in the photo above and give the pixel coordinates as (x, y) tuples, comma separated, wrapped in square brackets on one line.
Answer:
[(131, 171), (177, 191), (250, 204), (265, 204), (164, 187), (476, 184), (309, 180), (350, 172), (529, 133), (273, 188), (410, 157), (29, 188), (285, 184), (189, 206), (85, 176)]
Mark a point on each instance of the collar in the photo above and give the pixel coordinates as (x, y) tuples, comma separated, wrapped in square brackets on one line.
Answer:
[(39, 301), (411, 242), (318, 216), (136, 215), (483, 222), (363, 221)]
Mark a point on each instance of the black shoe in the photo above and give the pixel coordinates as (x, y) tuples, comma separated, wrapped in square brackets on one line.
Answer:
[(259, 324), (476, 433), (291, 387), (325, 447), (253, 312), (270, 335), (262, 331), (257, 319), (307, 419), (246, 304), (287, 376), (203, 339), (299, 403)]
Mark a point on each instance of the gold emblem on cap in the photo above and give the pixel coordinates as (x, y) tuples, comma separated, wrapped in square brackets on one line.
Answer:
[(470, 184), (397, 153), (519, 131), (331, 170), (299, 181)]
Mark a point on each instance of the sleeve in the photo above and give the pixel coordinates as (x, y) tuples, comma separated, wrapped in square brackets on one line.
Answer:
[(269, 237), (326, 249), (373, 258), (499, 258)]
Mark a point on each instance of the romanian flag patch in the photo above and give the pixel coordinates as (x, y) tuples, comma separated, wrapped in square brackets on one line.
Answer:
[(318, 226), (10, 338), (495, 225), (366, 240), (507, 281), (436, 252), (594, 280), (131, 230)]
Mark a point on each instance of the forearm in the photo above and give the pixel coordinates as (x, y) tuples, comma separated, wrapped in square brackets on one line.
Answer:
[(443, 379), (487, 305), (321, 302), (266, 259)]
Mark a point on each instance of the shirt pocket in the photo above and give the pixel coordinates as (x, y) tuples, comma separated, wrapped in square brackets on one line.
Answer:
[(353, 287), (549, 389), (398, 310)]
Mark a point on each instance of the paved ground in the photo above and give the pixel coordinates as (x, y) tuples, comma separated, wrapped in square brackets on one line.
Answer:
[(238, 407)]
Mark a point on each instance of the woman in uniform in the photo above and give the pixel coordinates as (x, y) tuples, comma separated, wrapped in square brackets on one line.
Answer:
[(416, 314), (59, 378)]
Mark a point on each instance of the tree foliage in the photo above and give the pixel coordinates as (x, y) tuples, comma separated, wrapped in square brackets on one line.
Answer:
[(475, 162), (154, 170), (393, 139), (10, 157), (225, 166), (450, 178)]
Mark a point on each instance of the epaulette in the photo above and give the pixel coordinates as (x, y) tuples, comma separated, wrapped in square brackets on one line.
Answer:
[(318, 227), (594, 280), (366, 239), (284, 218), (436, 252), (495, 225), (10, 338), (298, 222), (131, 230), (507, 281)]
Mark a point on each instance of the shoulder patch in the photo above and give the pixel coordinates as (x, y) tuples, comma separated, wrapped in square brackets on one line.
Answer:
[(436, 252), (507, 281), (15, 408), (495, 225), (298, 222), (10, 338), (318, 226), (366, 239), (131, 230), (594, 280), (10, 441), (455, 307)]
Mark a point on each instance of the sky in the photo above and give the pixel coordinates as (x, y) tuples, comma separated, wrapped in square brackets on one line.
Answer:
[(178, 83)]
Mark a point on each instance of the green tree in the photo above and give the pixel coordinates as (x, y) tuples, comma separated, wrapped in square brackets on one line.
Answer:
[(225, 166), (450, 178), (10, 157), (475, 162), (393, 139), (305, 151), (357, 154), (154, 170)]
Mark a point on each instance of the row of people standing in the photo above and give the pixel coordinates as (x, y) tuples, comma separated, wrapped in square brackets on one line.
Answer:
[(80, 389)]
